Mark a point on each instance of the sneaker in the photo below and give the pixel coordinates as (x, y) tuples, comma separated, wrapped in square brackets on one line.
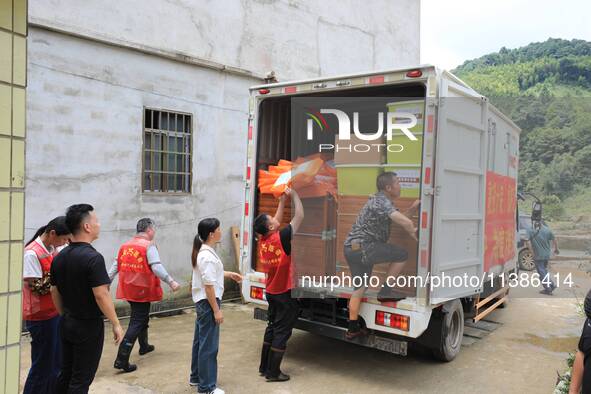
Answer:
[(546, 292), (193, 384), (390, 295), (217, 391)]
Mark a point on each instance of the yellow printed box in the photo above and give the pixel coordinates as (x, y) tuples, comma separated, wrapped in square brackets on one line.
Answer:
[(357, 181)]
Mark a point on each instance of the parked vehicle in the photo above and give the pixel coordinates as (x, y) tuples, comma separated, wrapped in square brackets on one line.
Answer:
[(466, 183), (525, 258)]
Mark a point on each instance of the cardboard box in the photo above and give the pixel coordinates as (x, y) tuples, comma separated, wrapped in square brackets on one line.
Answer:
[(312, 246), (349, 208), (358, 151)]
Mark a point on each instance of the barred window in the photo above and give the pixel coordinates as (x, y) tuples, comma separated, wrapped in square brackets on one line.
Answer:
[(167, 151)]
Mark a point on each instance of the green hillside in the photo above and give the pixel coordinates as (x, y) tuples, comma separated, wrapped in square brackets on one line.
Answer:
[(546, 89)]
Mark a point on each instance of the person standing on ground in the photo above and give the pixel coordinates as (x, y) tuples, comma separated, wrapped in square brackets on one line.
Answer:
[(367, 245), (540, 243), (207, 289), (581, 373), (39, 313), (283, 312), (140, 270), (80, 292)]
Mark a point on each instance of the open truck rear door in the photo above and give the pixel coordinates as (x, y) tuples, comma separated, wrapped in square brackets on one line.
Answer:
[(460, 176)]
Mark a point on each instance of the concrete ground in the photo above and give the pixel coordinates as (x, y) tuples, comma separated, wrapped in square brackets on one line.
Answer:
[(522, 356)]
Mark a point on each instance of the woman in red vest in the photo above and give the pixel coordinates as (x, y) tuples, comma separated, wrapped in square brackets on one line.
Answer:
[(283, 312), (40, 315)]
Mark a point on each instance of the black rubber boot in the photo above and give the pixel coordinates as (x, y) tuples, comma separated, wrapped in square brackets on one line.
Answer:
[(356, 329), (264, 358), (145, 347), (122, 361), (274, 373)]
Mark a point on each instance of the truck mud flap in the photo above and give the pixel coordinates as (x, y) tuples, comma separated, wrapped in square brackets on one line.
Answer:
[(260, 314), (383, 343)]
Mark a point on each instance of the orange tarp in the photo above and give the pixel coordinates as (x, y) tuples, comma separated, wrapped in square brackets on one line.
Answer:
[(310, 176)]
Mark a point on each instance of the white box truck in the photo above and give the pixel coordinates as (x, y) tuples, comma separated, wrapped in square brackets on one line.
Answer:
[(467, 220)]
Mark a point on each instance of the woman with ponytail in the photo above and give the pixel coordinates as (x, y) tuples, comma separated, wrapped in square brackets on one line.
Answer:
[(207, 289), (40, 315)]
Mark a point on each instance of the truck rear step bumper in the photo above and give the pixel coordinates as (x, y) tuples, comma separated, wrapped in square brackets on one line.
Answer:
[(384, 343)]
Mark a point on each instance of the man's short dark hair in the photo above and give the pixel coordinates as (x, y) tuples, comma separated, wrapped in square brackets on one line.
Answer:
[(261, 224), (385, 179), (75, 215), (144, 224)]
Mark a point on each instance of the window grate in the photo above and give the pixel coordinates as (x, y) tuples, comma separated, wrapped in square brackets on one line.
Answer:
[(167, 151)]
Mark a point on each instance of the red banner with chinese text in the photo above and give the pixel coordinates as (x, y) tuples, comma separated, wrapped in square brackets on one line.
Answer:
[(499, 225)]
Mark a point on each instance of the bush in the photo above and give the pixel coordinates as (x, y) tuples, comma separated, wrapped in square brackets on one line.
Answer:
[(552, 207)]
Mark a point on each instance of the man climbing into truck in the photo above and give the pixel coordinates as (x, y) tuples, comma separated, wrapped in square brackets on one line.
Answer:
[(367, 245)]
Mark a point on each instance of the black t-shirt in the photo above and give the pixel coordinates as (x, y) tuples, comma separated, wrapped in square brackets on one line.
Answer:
[(585, 347), (75, 271), (285, 236)]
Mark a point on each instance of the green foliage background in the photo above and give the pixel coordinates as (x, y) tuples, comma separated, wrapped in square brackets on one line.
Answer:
[(546, 89)]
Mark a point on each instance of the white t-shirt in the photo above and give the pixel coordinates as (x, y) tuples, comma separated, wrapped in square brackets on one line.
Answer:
[(32, 266), (209, 270)]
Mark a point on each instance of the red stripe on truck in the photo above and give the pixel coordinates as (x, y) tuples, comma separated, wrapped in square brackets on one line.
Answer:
[(290, 89), (427, 175), (424, 258), (250, 132), (424, 220), (246, 209), (430, 123)]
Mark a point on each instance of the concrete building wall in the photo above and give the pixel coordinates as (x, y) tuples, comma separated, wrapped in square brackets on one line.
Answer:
[(13, 82), (296, 38), (95, 66), (85, 112)]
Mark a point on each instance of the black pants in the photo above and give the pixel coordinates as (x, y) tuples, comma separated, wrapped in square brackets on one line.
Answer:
[(138, 322), (82, 346), (361, 261), (282, 315)]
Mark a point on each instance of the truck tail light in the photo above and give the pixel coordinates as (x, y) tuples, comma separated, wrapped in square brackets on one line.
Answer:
[(264, 91), (257, 293), (376, 79), (393, 320), (414, 74)]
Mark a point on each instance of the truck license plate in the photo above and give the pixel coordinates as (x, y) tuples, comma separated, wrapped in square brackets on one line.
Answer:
[(391, 346)]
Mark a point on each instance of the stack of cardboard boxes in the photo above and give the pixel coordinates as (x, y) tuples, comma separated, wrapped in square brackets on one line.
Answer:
[(313, 245)]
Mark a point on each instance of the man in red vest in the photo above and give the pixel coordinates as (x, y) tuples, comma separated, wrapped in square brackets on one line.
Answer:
[(140, 270), (275, 254)]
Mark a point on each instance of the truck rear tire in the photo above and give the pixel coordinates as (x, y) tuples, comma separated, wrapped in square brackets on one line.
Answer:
[(452, 331)]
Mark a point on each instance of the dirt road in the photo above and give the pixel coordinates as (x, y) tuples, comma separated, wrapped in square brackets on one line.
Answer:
[(521, 356)]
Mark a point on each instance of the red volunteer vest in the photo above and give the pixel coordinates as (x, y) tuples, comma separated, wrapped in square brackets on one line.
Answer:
[(137, 282), (38, 307), (276, 264)]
